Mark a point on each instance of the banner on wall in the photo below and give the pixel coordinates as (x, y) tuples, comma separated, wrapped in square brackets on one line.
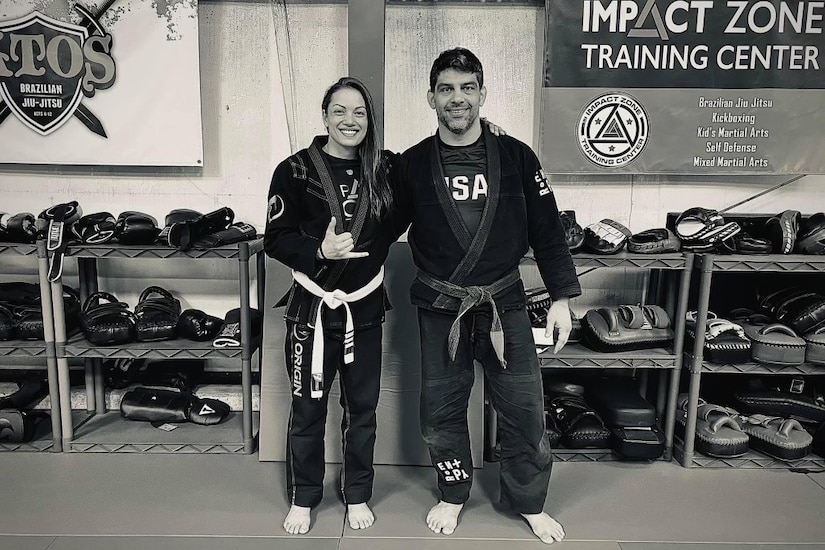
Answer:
[(684, 87), (106, 82)]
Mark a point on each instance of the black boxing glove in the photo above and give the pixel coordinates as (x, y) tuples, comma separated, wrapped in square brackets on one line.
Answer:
[(136, 228), (178, 215), (19, 228), (184, 235), (207, 412), (234, 234), (97, 228), (230, 333), (196, 325)]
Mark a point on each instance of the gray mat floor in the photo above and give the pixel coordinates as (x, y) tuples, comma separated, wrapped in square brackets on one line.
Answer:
[(214, 502)]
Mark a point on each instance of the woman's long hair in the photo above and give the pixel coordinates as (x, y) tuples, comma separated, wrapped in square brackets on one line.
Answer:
[(374, 177)]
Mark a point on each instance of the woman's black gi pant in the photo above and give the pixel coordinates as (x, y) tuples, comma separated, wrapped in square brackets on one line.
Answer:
[(515, 393), (359, 382)]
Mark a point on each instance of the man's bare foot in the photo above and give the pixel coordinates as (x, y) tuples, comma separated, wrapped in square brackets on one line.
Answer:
[(360, 516), (297, 520), (545, 527), (443, 517)]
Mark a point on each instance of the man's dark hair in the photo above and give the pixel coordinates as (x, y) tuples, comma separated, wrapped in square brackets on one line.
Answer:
[(459, 59)]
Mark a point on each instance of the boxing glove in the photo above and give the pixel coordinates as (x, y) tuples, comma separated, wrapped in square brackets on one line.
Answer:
[(230, 333), (184, 235), (19, 228), (97, 228), (207, 412), (136, 228), (178, 215), (234, 234), (196, 325)]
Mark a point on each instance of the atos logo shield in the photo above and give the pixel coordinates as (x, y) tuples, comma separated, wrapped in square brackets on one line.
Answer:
[(612, 130), (47, 67)]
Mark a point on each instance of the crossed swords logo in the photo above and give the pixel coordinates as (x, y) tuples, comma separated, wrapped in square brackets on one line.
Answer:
[(92, 23)]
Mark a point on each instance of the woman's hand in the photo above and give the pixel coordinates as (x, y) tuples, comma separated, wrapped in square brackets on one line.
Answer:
[(337, 246)]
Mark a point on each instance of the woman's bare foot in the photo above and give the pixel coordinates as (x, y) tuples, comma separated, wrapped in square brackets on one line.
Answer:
[(443, 517), (360, 516), (297, 521), (545, 527)]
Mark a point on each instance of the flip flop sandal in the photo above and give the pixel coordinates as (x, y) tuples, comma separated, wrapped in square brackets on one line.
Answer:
[(782, 438), (717, 433)]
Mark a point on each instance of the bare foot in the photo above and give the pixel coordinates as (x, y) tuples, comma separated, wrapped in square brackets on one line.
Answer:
[(297, 520), (545, 527), (360, 516), (443, 517)]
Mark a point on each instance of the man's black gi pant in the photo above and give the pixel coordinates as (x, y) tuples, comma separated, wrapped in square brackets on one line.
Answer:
[(515, 393), (359, 382)]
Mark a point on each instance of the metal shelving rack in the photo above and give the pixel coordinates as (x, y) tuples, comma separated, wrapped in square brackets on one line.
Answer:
[(675, 299), (105, 431), (51, 441), (707, 265)]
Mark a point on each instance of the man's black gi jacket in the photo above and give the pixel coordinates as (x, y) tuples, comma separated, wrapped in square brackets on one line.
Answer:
[(520, 211)]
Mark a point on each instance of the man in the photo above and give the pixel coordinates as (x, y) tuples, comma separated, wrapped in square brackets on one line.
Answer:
[(476, 202)]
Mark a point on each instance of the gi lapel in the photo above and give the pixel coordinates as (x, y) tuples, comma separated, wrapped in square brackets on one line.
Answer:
[(361, 208), (454, 219), (479, 240)]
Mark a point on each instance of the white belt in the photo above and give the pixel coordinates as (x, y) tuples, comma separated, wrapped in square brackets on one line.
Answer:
[(333, 300)]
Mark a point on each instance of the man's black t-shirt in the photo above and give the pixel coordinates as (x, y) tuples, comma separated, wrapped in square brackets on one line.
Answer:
[(465, 174)]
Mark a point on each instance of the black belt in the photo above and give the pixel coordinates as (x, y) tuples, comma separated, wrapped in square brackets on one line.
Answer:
[(470, 297)]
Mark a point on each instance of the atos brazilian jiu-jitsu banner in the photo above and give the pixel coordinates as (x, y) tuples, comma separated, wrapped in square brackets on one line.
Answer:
[(100, 82), (684, 87)]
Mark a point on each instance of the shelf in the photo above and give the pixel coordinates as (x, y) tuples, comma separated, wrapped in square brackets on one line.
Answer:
[(751, 460), (112, 250), (578, 357), (674, 260), (78, 346), (790, 263), (23, 348), (111, 433), (754, 368), (42, 441), (18, 248)]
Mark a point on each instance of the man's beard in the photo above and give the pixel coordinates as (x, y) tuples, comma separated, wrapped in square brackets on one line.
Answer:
[(460, 126)]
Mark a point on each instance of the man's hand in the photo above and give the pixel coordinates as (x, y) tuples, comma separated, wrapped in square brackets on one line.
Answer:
[(338, 246), (559, 316)]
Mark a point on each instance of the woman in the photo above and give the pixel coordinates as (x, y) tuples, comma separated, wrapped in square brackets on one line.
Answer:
[(326, 220), (329, 220)]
